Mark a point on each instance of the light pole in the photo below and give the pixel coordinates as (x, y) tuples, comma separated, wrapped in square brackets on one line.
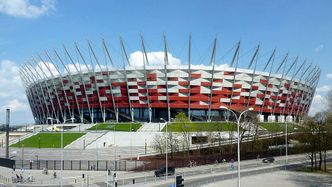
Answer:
[(238, 140), (61, 146), (286, 141), (166, 149), (131, 142)]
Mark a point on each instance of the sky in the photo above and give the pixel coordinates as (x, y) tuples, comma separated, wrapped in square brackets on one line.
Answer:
[(28, 27)]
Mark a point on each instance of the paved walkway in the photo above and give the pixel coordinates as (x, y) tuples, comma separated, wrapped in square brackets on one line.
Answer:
[(279, 178), (121, 139), (87, 139), (75, 177), (152, 127)]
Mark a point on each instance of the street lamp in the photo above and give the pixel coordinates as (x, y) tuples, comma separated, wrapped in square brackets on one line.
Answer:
[(166, 149), (61, 146), (286, 141), (238, 140)]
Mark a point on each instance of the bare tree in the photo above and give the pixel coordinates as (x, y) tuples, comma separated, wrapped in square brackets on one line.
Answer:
[(184, 122), (173, 143), (318, 136), (159, 143)]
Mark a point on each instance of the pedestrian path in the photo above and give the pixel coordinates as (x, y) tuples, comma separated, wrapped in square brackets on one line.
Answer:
[(123, 139), (85, 140), (81, 127), (151, 127)]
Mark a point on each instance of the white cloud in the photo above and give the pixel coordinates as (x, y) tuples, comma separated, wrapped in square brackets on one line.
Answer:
[(329, 76), (324, 88), (155, 59), (24, 8), (319, 48), (12, 94), (80, 67), (217, 67), (15, 105), (319, 104), (45, 68), (9, 79)]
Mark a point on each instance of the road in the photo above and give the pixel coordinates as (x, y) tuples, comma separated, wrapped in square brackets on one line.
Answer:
[(212, 173), (195, 175)]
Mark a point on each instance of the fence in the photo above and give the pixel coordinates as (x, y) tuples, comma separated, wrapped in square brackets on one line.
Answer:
[(6, 162), (86, 165)]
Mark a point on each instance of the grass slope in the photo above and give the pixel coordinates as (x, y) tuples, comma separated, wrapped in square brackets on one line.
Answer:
[(117, 126), (280, 127), (48, 140), (200, 126)]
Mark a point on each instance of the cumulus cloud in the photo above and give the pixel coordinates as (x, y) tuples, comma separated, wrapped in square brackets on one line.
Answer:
[(46, 68), (9, 79), (324, 88), (80, 67), (25, 9), (217, 67), (329, 76), (319, 104), (15, 105), (319, 48), (12, 94), (155, 59)]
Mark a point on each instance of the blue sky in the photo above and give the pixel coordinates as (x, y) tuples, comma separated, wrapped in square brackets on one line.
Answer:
[(28, 27)]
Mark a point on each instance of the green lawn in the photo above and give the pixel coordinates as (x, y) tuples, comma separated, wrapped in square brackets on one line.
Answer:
[(48, 140), (201, 126), (116, 126), (280, 127)]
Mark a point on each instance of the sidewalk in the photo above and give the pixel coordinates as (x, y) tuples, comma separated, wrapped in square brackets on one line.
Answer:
[(75, 177)]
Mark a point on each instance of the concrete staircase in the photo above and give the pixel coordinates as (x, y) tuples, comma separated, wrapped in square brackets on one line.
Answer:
[(16, 140), (81, 127), (85, 140), (151, 127)]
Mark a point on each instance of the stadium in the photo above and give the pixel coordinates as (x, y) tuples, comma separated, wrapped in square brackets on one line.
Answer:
[(85, 86)]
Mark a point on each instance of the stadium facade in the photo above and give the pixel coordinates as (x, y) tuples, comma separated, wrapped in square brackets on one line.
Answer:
[(59, 88)]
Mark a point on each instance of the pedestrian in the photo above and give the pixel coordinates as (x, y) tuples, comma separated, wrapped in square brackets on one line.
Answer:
[(232, 164), (21, 178), (17, 178), (104, 144), (54, 174), (30, 178)]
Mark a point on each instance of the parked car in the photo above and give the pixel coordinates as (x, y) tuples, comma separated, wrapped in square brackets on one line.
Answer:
[(162, 171), (268, 160)]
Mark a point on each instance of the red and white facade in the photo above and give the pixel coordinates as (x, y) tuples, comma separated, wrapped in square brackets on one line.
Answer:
[(149, 92)]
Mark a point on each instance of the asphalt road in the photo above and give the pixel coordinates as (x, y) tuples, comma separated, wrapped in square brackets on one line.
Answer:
[(203, 174)]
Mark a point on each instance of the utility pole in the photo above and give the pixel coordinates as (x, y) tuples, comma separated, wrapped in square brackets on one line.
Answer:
[(7, 131)]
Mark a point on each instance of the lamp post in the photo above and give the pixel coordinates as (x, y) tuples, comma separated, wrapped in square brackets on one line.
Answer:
[(238, 141), (61, 147), (286, 141), (166, 149)]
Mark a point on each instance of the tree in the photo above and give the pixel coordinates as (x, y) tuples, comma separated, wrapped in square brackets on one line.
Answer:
[(183, 122), (172, 143), (159, 143), (318, 137)]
